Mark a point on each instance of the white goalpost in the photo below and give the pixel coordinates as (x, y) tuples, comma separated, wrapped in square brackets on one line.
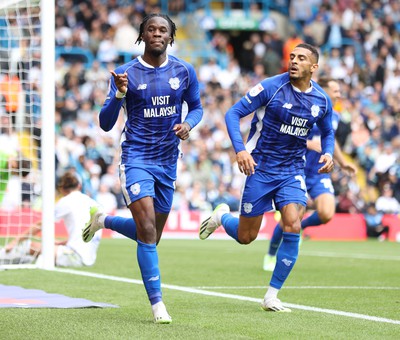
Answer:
[(27, 133)]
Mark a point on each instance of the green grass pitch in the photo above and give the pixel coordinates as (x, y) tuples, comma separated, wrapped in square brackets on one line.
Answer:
[(212, 289)]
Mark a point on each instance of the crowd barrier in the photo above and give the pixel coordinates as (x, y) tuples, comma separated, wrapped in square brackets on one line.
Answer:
[(185, 224)]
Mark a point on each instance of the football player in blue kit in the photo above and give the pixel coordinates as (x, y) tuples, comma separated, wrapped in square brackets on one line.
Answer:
[(319, 185), (151, 89), (285, 109)]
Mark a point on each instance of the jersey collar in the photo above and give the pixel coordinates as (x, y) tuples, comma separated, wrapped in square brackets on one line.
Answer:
[(306, 91), (150, 66)]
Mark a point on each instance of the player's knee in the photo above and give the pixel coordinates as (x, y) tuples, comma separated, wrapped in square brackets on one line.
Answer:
[(325, 216), (292, 228), (246, 239)]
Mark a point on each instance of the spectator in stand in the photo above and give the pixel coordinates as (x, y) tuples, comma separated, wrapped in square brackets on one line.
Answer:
[(209, 71), (288, 47), (386, 202), (383, 162), (335, 34), (374, 223), (300, 11)]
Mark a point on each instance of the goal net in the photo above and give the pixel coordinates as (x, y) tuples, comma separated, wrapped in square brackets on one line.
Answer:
[(21, 121)]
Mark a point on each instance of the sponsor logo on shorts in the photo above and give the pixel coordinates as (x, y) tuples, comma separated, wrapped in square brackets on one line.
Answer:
[(287, 262), (135, 189), (247, 207)]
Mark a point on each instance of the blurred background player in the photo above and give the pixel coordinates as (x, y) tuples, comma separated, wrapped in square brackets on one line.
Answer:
[(11, 164), (73, 208), (319, 185), (152, 89), (286, 108)]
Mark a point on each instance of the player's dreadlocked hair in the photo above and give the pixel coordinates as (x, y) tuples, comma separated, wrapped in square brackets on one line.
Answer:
[(152, 15)]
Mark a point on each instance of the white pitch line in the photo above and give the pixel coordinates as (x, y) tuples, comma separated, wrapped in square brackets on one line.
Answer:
[(229, 296), (299, 287), (350, 256)]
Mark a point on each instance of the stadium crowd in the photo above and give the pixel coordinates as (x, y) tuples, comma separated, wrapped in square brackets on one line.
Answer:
[(360, 47)]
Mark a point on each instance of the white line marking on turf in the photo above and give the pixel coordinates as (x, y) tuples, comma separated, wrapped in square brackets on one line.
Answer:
[(350, 256), (229, 296), (299, 287)]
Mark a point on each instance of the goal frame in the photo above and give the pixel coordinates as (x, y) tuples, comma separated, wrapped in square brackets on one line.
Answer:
[(47, 18), (47, 164)]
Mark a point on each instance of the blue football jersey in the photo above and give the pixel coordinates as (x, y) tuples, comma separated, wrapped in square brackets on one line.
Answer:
[(153, 105), (283, 119)]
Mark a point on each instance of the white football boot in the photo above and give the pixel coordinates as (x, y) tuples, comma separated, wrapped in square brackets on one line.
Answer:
[(210, 224)]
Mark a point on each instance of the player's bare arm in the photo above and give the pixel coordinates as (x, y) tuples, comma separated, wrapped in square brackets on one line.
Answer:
[(121, 81), (328, 164), (182, 130), (245, 162), (32, 231), (349, 168)]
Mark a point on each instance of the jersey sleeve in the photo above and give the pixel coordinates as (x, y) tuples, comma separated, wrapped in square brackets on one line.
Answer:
[(253, 100), (192, 98), (111, 107), (327, 132)]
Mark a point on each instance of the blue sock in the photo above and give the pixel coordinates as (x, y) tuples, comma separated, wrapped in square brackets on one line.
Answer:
[(231, 225), (148, 262), (312, 220), (275, 240), (122, 225), (285, 259)]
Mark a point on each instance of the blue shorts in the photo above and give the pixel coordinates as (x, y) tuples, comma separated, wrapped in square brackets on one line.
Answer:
[(264, 192), (318, 185), (142, 180)]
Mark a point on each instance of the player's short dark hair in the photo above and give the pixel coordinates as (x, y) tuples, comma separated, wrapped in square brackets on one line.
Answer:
[(311, 48), (324, 81), (172, 26)]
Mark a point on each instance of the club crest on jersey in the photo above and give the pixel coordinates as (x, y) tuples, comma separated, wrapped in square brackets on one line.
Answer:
[(247, 207), (135, 189), (314, 110), (256, 90), (175, 83)]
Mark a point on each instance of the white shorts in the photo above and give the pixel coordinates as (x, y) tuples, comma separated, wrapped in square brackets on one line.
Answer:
[(67, 257)]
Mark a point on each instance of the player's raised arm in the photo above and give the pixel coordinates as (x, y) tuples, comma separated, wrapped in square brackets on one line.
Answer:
[(115, 99)]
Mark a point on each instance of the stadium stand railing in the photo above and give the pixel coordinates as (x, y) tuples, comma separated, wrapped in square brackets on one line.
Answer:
[(265, 6)]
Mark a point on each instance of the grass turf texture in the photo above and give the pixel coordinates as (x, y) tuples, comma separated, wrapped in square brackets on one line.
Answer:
[(221, 267)]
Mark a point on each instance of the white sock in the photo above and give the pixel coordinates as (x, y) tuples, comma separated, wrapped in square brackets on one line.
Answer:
[(158, 305), (101, 219), (272, 293)]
